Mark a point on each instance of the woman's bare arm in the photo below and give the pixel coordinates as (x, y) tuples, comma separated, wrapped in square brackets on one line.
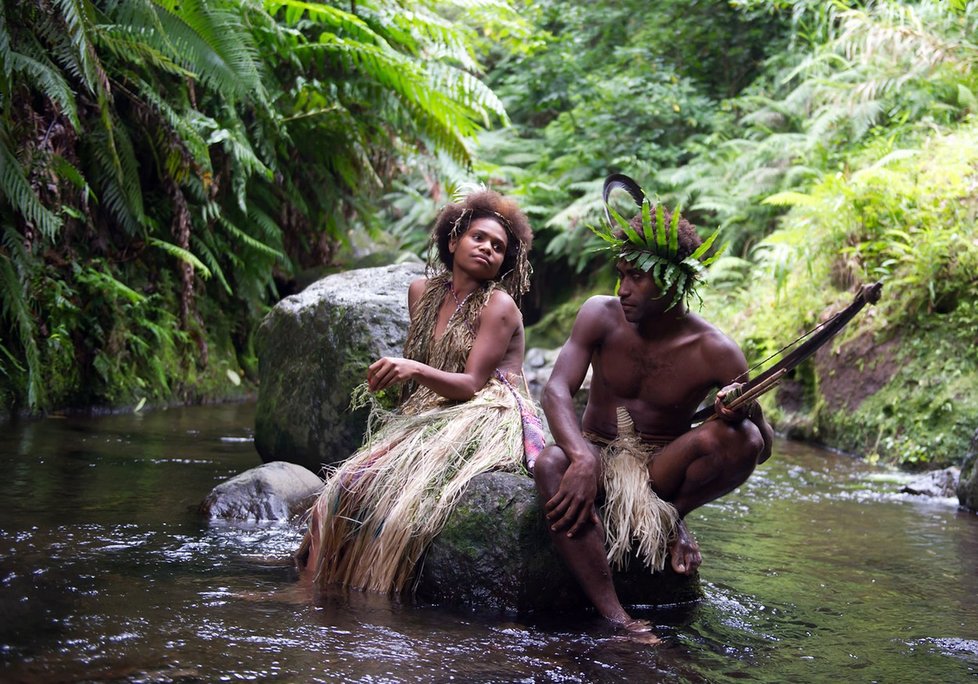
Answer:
[(498, 322)]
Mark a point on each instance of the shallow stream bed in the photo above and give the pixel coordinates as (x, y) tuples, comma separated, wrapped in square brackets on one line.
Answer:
[(815, 570)]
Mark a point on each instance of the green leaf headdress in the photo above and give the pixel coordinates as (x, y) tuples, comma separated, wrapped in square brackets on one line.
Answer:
[(656, 249)]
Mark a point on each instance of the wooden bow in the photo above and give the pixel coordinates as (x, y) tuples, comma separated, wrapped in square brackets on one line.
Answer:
[(868, 294)]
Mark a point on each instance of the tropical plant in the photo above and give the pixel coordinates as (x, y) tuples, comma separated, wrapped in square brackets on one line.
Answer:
[(877, 72), (166, 167)]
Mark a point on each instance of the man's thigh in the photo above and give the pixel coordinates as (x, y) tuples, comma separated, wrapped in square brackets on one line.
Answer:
[(710, 446)]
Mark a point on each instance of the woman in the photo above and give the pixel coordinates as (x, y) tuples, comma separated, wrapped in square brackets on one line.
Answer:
[(461, 412)]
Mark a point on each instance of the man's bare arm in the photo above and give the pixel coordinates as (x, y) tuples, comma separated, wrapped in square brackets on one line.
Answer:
[(731, 363), (573, 504)]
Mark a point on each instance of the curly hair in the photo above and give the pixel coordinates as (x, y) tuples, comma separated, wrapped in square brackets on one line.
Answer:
[(454, 220), (689, 239)]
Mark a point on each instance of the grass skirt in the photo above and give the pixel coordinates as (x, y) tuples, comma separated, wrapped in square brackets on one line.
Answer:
[(634, 515), (380, 509)]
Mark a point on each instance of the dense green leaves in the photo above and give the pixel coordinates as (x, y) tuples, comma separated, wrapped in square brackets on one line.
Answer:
[(165, 166), (169, 169)]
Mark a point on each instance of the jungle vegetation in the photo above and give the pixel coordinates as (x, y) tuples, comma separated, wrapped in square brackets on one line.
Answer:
[(169, 170)]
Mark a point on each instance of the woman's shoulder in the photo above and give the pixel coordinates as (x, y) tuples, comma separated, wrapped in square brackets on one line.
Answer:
[(502, 301), (417, 288), (419, 284)]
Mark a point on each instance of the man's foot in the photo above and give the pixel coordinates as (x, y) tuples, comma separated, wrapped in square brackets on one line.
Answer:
[(684, 551), (639, 631)]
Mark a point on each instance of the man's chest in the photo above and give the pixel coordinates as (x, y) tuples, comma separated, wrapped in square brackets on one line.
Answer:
[(665, 374)]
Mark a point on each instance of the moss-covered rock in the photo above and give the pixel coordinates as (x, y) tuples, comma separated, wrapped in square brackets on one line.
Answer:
[(495, 553), (314, 349)]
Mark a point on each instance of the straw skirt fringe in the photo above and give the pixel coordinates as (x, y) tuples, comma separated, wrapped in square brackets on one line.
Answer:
[(633, 514), (380, 509)]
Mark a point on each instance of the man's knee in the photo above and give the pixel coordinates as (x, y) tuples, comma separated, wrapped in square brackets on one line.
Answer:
[(740, 442), (550, 466), (747, 447)]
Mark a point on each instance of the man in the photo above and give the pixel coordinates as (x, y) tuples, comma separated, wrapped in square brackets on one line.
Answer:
[(653, 362)]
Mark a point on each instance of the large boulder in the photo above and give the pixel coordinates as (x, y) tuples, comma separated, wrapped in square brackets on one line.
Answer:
[(967, 489), (273, 491), (495, 553), (313, 350)]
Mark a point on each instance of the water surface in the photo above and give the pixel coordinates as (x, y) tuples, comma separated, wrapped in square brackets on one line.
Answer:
[(814, 570)]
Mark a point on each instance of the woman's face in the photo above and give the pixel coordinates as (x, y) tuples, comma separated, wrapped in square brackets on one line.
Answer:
[(481, 249)]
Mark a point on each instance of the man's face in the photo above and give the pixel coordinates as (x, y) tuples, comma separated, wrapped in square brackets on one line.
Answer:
[(638, 293)]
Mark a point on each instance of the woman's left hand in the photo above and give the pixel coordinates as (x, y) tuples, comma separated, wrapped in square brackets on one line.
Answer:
[(390, 370)]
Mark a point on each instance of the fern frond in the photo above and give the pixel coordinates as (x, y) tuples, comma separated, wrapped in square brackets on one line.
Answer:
[(117, 173), (209, 43), (182, 254), (80, 20), (789, 199), (209, 256), (45, 76), (17, 190), (249, 241), (16, 309)]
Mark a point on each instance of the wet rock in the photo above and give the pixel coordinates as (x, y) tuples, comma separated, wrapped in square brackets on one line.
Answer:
[(940, 483), (495, 553), (967, 489), (272, 491), (314, 349)]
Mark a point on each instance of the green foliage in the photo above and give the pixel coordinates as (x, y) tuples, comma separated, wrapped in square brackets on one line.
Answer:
[(605, 87), (858, 76), (906, 217), (161, 157)]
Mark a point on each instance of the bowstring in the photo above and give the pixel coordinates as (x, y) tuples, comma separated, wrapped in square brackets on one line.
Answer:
[(788, 346)]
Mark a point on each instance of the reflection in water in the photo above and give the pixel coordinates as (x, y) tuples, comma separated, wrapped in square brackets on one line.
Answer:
[(813, 570)]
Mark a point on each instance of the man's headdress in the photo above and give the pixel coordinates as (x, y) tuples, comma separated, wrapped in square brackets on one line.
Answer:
[(656, 249)]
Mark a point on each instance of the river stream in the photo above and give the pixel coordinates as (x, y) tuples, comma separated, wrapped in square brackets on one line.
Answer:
[(815, 570)]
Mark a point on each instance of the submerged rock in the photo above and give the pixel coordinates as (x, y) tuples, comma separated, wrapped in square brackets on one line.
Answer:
[(273, 491), (314, 349), (967, 489)]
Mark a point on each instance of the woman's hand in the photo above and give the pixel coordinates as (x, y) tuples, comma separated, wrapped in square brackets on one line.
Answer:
[(391, 370)]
